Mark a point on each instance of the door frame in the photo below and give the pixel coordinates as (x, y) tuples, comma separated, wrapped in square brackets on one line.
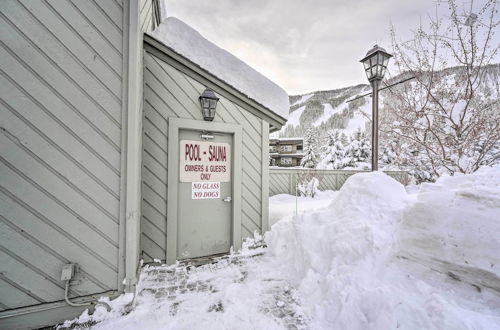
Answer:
[(174, 126)]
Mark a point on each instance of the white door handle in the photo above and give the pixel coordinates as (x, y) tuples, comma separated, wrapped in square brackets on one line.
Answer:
[(227, 199)]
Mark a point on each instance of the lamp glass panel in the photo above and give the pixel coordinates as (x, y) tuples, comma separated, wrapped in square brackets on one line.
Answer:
[(366, 64), (382, 71), (367, 73), (213, 103), (205, 112), (386, 60), (205, 102)]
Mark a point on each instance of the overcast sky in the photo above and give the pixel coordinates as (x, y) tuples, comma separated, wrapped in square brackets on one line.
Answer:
[(306, 45)]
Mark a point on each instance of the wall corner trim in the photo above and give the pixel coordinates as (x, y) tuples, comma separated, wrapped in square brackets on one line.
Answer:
[(133, 148)]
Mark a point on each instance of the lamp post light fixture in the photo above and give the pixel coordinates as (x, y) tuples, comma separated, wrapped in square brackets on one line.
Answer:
[(208, 101), (375, 64)]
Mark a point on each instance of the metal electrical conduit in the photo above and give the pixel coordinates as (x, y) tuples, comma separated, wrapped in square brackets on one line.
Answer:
[(68, 271)]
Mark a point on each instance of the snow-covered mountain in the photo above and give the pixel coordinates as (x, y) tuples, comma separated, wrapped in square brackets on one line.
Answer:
[(326, 110)]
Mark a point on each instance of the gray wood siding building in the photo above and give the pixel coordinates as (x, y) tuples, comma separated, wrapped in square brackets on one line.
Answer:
[(170, 93), (85, 105), (63, 85), (61, 119)]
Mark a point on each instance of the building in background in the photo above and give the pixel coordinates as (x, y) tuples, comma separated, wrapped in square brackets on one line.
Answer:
[(286, 152)]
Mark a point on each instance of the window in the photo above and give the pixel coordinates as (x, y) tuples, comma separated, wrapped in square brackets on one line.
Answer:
[(286, 148), (299, 147), (272, 148), (286, 161)]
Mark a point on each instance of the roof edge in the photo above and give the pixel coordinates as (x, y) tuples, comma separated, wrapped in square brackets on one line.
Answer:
[(193, 70)]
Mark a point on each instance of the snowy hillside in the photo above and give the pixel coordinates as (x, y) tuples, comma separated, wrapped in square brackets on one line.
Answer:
[(326, 110)]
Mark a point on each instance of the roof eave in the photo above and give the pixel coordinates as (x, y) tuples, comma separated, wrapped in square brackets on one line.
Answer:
[(193, 70)]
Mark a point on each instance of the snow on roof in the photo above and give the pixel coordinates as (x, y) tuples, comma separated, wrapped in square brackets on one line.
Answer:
[(189, 43)]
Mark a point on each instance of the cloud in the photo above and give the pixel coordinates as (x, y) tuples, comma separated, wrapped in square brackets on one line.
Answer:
[(302, 45)]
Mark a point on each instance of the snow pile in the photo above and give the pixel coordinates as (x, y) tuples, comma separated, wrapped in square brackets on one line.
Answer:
[(188, 42), (457, 221), (284, 206), (373, 255), (346, 263), (118, 306), (336, 252)]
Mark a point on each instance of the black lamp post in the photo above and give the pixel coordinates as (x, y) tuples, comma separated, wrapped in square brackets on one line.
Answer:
[(375, 64), (208, 101)]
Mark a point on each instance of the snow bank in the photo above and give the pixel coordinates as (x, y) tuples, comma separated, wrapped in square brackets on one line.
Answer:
[(345, 259), (358, 215), (188, 42), (456, 221), (284, 205), (370, 256), (333, 251)]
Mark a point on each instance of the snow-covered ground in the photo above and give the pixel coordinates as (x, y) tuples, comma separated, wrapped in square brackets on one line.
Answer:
[(372, 256)]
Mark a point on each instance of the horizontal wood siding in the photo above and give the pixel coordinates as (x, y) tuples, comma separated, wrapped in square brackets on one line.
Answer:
[(60, 137), (170, 93)]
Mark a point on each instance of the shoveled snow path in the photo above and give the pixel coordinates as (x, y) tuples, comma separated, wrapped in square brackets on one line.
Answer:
[(240, 291)]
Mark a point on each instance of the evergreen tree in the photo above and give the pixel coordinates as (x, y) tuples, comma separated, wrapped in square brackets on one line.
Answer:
[(310, 159), (344, 139), (334, 152), (359, 148), (388, 154)]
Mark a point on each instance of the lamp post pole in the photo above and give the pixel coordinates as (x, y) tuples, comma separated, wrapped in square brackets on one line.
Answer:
[(375, 64), (375, 84)]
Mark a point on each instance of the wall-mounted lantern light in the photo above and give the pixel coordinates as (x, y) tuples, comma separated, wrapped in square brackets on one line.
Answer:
[(375, 64), (208, 101)]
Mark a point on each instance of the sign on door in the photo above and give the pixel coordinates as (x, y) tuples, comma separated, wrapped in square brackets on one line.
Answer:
[(205, 190), (202, 161)]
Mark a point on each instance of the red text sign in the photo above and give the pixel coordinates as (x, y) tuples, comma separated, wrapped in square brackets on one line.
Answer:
[(202, 161), (205, 190)]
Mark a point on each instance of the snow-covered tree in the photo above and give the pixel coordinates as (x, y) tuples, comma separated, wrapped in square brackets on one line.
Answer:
[(450, 112), (388, 154), (334, 151), (343, 139), (397, 155), (359, 148), (311, 141), (309, 188)]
